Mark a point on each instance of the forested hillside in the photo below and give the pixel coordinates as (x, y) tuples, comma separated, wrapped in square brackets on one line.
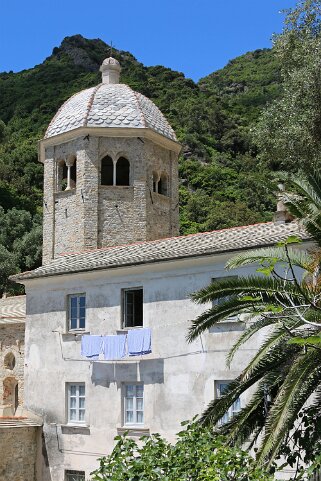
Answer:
[(222, 181)]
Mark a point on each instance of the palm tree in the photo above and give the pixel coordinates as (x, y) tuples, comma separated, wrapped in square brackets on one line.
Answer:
[(286, 369)]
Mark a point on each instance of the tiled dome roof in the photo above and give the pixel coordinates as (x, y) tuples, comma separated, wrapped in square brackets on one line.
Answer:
[(109, 105)]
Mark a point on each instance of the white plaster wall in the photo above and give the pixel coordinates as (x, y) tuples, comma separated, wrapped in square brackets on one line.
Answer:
[(178, 377)]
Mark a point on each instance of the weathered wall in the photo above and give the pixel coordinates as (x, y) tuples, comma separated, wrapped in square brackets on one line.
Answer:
[(11, 343), (18, 452), (90, 215), (178, 377)]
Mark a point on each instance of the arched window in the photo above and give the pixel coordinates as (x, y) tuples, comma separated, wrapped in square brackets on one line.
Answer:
[(122, 171), (62, 173), (107, 171), (9, 361), (162, 185)]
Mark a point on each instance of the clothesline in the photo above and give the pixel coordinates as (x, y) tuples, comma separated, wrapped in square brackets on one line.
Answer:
[(136, 342)]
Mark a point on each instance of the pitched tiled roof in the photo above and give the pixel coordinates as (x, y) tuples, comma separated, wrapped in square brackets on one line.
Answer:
[(12, 310), (109, 105), (189, 246)]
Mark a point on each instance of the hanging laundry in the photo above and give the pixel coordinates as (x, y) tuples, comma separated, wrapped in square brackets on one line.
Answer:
[(114, 347), (139, 341), (91, 346)]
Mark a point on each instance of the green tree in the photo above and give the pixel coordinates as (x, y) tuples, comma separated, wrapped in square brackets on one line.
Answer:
[(289, 132), (196, 456), (285, 371), (20, 245)]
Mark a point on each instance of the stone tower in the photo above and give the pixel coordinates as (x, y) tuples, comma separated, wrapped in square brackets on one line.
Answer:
[(110, 170)]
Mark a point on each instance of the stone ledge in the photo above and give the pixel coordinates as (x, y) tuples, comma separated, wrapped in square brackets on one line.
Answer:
[(75, 429), (133, 431)]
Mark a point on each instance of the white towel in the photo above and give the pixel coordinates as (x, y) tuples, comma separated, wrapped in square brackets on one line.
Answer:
[(139, 341)]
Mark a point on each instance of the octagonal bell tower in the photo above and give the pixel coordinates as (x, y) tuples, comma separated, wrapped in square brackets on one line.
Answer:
[(110, 170)]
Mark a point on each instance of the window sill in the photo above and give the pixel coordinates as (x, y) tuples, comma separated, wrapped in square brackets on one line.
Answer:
[(75, 429), (133, 431), (62, 193), (123, 187), (74, 335), (126, 329)]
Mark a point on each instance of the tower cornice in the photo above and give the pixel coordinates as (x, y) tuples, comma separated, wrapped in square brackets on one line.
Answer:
[(141, 133)]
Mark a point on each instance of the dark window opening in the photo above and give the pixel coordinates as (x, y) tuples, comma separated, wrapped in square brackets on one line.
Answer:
[(73, 175), (155, 182), (64, 177), (133, 307), (9, 361), (162, 185), (122, 171), (16, 397), (107, 171)]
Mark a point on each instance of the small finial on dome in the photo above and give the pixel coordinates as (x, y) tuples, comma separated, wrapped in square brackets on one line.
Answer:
[(110, 69)]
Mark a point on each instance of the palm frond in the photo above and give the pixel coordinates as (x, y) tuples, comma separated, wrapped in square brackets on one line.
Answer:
[(300, 382), (249, 294), (216, 314), (249, 422), (298, 258), (271, 289), (256, 327), (274, 359), (273, 350)]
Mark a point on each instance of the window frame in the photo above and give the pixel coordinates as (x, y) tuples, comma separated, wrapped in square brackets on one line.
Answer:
[(77, 296), (135, 411), (73, 472), (234, 409), (124, 312), (77, 421)]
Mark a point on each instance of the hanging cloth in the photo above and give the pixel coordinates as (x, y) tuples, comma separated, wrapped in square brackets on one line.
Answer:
[(139, 341), (114, 347), (91, 346)]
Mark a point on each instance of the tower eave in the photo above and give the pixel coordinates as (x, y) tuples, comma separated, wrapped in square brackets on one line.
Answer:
[(122, 132)]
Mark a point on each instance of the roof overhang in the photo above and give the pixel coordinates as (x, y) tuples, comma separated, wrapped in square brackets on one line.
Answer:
[(154, 265), (143, 133)]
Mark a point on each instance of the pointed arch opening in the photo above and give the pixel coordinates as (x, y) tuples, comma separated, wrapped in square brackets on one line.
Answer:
[(163, 184), (122, 171), (9, 361), (107, 171)]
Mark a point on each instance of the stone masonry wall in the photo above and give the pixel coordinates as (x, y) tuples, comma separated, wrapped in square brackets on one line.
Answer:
[(91, 216), (11, 343), (18, 451), (162, 210)]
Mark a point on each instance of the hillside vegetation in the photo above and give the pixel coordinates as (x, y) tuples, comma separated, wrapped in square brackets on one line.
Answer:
[(223, 183)]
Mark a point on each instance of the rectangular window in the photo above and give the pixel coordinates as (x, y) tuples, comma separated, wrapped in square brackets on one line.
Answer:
[(76, 403), (132, 307), (72, 475), (77, 311), (220, 388), (133, 404)]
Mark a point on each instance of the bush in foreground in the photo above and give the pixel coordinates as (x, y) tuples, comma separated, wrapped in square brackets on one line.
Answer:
[(198, 455)]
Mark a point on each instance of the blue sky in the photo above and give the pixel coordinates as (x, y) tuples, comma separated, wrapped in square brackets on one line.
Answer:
[(193, 36)]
